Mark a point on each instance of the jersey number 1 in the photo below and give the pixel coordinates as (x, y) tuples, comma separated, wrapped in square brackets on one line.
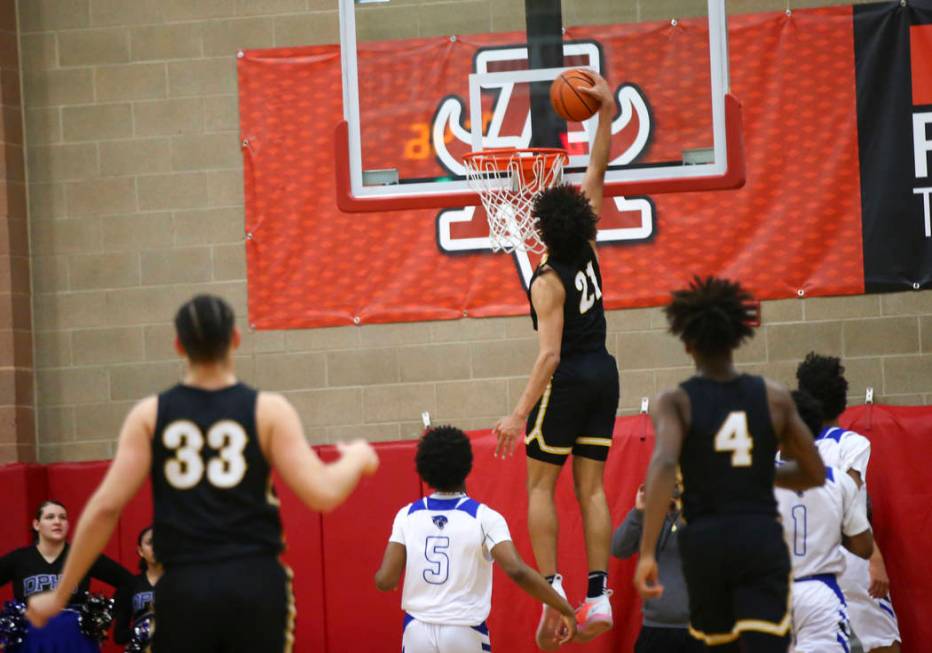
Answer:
[(186, 469), (587, 301), (734, 437)]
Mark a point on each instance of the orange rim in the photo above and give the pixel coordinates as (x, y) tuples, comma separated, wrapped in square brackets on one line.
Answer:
[(501, 158)]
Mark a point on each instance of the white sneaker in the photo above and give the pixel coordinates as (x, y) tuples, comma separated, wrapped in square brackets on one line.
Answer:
[(550, 620), (593, 617)]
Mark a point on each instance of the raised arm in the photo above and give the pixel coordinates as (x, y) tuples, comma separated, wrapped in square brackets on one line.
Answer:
[(547, 296), (124, 477), (594, 181), (670, 427), (804, 468), (320, 486)]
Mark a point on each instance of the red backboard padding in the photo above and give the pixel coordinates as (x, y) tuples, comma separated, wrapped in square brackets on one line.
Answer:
[(334, 556)]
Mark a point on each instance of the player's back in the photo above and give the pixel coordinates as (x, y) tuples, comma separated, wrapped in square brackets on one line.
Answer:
[(814, 520), (448, 567), (729, 449), (584, 325), (212, 491)]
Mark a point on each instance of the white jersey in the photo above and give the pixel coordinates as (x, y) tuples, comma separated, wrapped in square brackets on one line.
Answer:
[(844, 450), (448, 571), (814, 521)]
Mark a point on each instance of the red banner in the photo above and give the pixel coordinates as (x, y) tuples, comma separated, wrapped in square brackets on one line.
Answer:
[(795, 227)]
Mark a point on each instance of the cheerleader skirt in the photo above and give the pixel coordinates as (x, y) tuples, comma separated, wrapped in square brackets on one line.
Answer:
[(60, 635)]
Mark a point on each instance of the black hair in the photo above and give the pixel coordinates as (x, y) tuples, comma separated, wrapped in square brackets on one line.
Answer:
[(714, 316), (823, 378), (204, 325), (809, 409), (565, 221), (143, 565), (42, 506), (444, 458)]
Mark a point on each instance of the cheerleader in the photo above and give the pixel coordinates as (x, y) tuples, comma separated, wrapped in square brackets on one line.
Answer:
[(134, 600), (37, 568)]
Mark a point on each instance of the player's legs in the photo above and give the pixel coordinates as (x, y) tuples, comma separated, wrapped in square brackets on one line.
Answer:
[(463, 639), (597, 521), (420, 637), (542, 519), (819, 618), (873, 620)]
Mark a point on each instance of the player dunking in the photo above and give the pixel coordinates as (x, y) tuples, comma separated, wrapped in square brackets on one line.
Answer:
[(211, 443), (722, 429), (570, 400), (816, 524)]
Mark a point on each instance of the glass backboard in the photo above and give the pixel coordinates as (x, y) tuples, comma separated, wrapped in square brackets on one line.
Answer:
[(426, 81)]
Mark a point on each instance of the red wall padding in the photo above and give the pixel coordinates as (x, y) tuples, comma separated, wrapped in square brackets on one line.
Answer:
[(335, 556)]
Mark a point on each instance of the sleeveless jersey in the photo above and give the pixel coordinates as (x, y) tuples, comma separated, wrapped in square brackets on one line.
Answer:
[(728, 452), (583, 310), (211, 485)]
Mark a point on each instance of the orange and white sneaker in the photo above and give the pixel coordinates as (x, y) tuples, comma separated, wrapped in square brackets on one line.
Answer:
[(550, 621), (593, 617)]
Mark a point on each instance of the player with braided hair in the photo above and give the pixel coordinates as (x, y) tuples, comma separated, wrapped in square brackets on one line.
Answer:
[(722, 429)]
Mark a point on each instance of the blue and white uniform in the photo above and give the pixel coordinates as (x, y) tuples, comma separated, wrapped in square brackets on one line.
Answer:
[(873, 620), (813, 524), (447, 593)]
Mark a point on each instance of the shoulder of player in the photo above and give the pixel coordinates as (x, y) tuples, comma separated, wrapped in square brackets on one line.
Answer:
[(674, 398), (547, 285), (144, 414)]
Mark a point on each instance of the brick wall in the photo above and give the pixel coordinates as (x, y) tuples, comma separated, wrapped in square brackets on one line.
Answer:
[(136, 203)]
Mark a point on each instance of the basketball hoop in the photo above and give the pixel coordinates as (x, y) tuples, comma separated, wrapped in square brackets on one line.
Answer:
[(508, 181)]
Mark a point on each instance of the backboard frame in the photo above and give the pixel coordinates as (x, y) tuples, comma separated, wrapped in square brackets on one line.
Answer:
[(726, 172)]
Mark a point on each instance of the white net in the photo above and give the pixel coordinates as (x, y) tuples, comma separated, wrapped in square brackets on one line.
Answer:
[(508, 182)]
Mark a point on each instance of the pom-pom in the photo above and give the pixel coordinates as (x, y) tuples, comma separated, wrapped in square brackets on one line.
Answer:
[(12, 626), (95, 616), (142, 635)]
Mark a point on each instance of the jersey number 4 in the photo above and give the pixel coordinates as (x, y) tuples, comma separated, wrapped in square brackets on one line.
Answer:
[(587, 301), (734, 437), (186, 469)]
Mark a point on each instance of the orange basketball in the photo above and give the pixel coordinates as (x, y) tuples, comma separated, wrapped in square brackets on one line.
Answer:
[(568, 101)]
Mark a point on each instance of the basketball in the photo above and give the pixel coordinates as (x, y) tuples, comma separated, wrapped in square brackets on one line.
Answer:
[(568, 101)]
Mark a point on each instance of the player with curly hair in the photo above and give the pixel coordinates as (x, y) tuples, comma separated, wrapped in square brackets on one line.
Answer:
[(445, 544), (570, 401), (722, 429), (865, 583)]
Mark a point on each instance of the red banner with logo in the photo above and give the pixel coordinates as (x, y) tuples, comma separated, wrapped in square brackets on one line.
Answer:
[(795, 228)]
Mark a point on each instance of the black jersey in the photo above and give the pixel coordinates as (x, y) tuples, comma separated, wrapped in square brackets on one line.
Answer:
[(211, 485), (133, 602), (727, 460), (583, 310), (31, 574)]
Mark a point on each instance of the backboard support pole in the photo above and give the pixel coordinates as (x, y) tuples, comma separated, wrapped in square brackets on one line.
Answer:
[(544, 20)]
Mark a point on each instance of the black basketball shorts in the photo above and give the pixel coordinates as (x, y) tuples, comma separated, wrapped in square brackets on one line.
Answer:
[(737, 572), (242, 605), (576, 414)]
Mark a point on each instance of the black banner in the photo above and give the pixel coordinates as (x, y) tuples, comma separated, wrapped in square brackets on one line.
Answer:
[(893, 52)]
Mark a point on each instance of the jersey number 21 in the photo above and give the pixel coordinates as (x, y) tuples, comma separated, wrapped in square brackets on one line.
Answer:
[(587, 301)]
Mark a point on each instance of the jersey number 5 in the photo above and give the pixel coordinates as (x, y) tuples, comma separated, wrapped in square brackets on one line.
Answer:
[(186, 469), (435, 550), (734, 437), (587, 301)]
